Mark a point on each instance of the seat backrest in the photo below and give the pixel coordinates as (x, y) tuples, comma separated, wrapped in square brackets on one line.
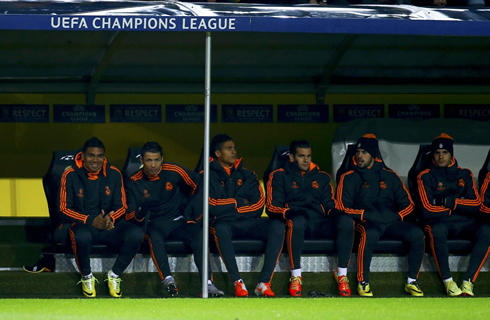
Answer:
[(279, 158), (422, 162), (132, 163), (347, 163), (51, 181), (484, 170), (200, 163)]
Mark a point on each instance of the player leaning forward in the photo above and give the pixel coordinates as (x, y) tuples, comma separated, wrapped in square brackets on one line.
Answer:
[(92, 204), (379, 202), (302, 196)]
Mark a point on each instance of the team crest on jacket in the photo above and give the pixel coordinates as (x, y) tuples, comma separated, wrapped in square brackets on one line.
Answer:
[(107, 190), (169, 186), (239, 182), (223, 184), (145, 194), (440, 186), (80, 193), (315, 185), (461, 183), (382, 185), (295, 186), (365, 185)]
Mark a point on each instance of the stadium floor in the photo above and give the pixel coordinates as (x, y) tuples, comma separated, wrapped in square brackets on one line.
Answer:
[(20, 284)]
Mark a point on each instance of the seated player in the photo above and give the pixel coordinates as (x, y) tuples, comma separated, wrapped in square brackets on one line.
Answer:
[(92, 204), (159, 194), (379, 202), (301, 195), (450, 205)]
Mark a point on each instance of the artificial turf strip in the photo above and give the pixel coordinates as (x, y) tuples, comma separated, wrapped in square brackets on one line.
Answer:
[(243, 308)]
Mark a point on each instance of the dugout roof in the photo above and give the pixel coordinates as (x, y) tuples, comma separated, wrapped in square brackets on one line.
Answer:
[(96, 47)]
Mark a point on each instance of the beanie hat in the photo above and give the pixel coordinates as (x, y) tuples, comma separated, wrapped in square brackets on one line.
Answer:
[(443, 141), (369, 142)]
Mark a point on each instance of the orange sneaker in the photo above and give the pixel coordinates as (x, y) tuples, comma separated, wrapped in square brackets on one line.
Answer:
[(240, 289), (295, 286), (343, 283), (264, 289)]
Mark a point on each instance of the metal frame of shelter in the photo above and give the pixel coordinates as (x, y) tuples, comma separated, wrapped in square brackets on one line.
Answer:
[(169, 16)]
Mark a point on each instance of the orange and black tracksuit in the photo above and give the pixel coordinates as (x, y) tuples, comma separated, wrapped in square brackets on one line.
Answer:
[(485, 198), (379, 202), (236, 202), (159, 202), (450, 206), (81, 198), (309, 196)]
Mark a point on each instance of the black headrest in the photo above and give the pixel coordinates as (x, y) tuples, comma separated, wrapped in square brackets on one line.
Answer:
[(484, 170), (200, 163), (133, 162), (422, 162), (347, 164), (279, 158), (51, 180)]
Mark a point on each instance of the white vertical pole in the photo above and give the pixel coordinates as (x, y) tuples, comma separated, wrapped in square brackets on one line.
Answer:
[(207, 120)]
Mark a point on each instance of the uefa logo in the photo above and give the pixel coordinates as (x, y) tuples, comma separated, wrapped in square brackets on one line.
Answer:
[(79, 108), (302, 108), (413, 107), (191, 108)]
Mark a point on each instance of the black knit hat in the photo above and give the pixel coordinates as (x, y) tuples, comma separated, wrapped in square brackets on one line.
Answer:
[(443, 141), (369, 142)]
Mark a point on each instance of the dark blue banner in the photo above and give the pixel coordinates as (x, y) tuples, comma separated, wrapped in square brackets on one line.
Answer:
[(414, 111), (24, 113), (78, 113), (348, 112), (355, 24), (467, 111), (136, 113), (188, 113), (126, 23), (246, 113), (302, 113)]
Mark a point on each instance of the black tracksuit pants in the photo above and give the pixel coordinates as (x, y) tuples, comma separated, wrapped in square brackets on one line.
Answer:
[(370, 232), (160, 230), (339, 227), (462, 227), (125, 236), (270, 230)]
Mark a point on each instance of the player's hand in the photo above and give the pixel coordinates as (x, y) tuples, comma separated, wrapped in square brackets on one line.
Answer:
[(108, 220), (100, 222)]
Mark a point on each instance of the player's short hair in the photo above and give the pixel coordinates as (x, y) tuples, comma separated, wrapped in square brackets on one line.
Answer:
[(152, 147), (93, 143), (217, 143), (293, 147)]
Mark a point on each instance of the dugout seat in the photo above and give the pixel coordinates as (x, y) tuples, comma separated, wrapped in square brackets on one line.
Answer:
[(421, 162), (280, 157), (484, 170), (132, 163), (51, 181)]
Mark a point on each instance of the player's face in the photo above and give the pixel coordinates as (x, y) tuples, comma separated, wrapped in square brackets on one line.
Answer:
[(226, 156), (93, 158), (364, 159), (442, 158), (302, 158), (152, 163)]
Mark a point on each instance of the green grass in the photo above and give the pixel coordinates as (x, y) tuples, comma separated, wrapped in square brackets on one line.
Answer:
[(247, 308)]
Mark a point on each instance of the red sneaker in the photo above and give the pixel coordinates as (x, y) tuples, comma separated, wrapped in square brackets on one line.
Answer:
[(240, 289), (343, 283), (295, 286), (264, 289)]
